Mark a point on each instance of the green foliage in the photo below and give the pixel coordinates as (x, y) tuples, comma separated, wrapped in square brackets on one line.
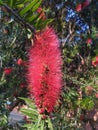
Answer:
[(27, 11), (31, 6), (3, 113), (3, 120), (86, 103), (35, 121)]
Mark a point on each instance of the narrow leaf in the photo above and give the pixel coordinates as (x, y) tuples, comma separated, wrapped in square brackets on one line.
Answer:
[(20, 5), (20, 2), (32, 111), (50, 124), (42, 126), (33, 18), (29, 102), (26, 99), (36, 6), (11, 3), (28, 7), (28, 126), (1, 2), (29, 114)]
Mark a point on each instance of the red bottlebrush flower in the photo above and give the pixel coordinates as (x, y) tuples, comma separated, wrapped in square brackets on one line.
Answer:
[(7, 71), (42, 15), (44, 70), (79, 7), (95, 63), (19, 61), (86, 3), (89, 41), (96, 95)]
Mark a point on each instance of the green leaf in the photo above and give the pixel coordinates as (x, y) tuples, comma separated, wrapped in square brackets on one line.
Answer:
[(42, 126), (86, 103), (35, 127), (31, 5), (32, 111), (33, 18), (46, 22), (37, 5), (2, 82), (50, 124), (20, 5), (39, 120), (1, 2), (18, 2), (28, 126), (42, 23), (30, 114), (29, 102), (11, 3), (26, 99)]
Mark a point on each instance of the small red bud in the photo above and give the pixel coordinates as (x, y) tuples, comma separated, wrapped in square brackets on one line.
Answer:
[(19, 61), (42, 15), (79, 7), (89, 41), (7, 71), (94, 63)]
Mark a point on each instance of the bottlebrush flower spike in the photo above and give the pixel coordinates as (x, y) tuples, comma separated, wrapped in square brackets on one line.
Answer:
[(44, 70)]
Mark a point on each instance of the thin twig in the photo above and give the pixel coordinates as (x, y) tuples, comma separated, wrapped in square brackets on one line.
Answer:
[(19, 19), (70, 35)]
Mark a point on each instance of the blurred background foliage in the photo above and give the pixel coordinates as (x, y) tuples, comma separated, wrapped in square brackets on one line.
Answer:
[(76, 24)]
